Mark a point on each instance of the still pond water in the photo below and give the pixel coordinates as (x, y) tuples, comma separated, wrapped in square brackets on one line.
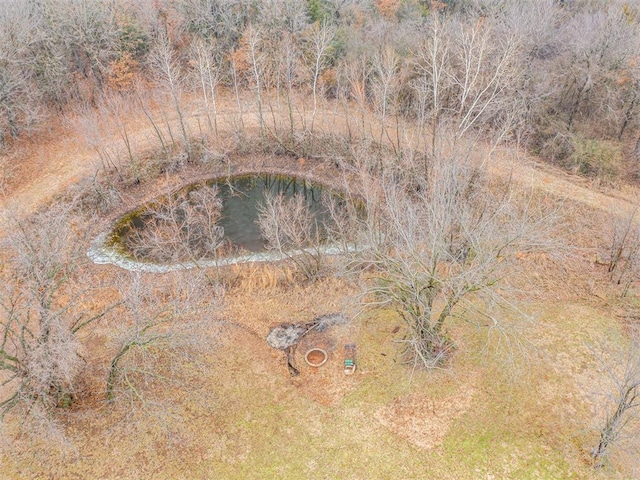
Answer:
[(240, 196)]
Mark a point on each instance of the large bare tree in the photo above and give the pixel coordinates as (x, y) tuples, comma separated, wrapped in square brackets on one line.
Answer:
[(441, 242), (624, 252), (42, 309), (290, 228), (318, 49), (169, 75), (466, 79)]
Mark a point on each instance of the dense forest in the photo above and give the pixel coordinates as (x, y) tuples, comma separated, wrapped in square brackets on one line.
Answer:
[(558, 77)]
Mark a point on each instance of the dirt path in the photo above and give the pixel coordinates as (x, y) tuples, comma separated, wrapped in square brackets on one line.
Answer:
[(533, 174), (48, 169), (43, 173)]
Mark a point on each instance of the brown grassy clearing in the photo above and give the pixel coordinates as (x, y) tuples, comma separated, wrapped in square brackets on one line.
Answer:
[(236, 412)]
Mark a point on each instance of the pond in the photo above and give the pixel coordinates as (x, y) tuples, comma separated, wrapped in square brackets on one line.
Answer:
[(223, 221)]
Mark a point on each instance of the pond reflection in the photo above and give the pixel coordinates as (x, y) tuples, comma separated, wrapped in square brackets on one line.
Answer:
[(213, 220)]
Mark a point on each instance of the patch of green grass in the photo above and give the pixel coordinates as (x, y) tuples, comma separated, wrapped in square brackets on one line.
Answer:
[(480, 447), (252, 421), (597, 158)]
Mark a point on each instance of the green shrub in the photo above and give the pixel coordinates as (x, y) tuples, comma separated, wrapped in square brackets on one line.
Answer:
[(600, 159)]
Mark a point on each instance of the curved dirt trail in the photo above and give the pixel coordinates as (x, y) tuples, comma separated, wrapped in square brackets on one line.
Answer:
[(552, 180), (49, 169), (43, 175)]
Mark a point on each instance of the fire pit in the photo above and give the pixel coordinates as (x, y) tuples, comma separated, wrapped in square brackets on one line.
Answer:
[(315, 357)]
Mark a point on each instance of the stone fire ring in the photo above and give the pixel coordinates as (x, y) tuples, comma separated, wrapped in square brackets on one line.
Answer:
[(315, 357)]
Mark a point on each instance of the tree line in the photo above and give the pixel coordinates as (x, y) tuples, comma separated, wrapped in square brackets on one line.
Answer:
[(562, 76)]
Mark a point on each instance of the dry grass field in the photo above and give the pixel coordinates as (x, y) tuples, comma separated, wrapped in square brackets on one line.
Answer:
[(497, 411), (239, 414)]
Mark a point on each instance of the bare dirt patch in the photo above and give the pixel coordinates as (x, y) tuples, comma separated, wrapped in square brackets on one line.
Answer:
[(327, 384), (261, 304), (422, 420)]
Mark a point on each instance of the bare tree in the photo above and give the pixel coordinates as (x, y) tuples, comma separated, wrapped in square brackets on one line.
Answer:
[(337, 10), (484, 71), (289, 58), (73, 45), (386, 64), (284, 16), (235, 64), (208, 67), (117, 109), (441, 242), (318, 49), (433, 80), (161, 317), (144, 102), (42, 309), (182, 227), (294, 231), (254, 40), (170, 76), (624, 252), (223, 21), (20, 107), (356, 70), (599, 44), (620, 406), (468, 77), (88, 127)]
